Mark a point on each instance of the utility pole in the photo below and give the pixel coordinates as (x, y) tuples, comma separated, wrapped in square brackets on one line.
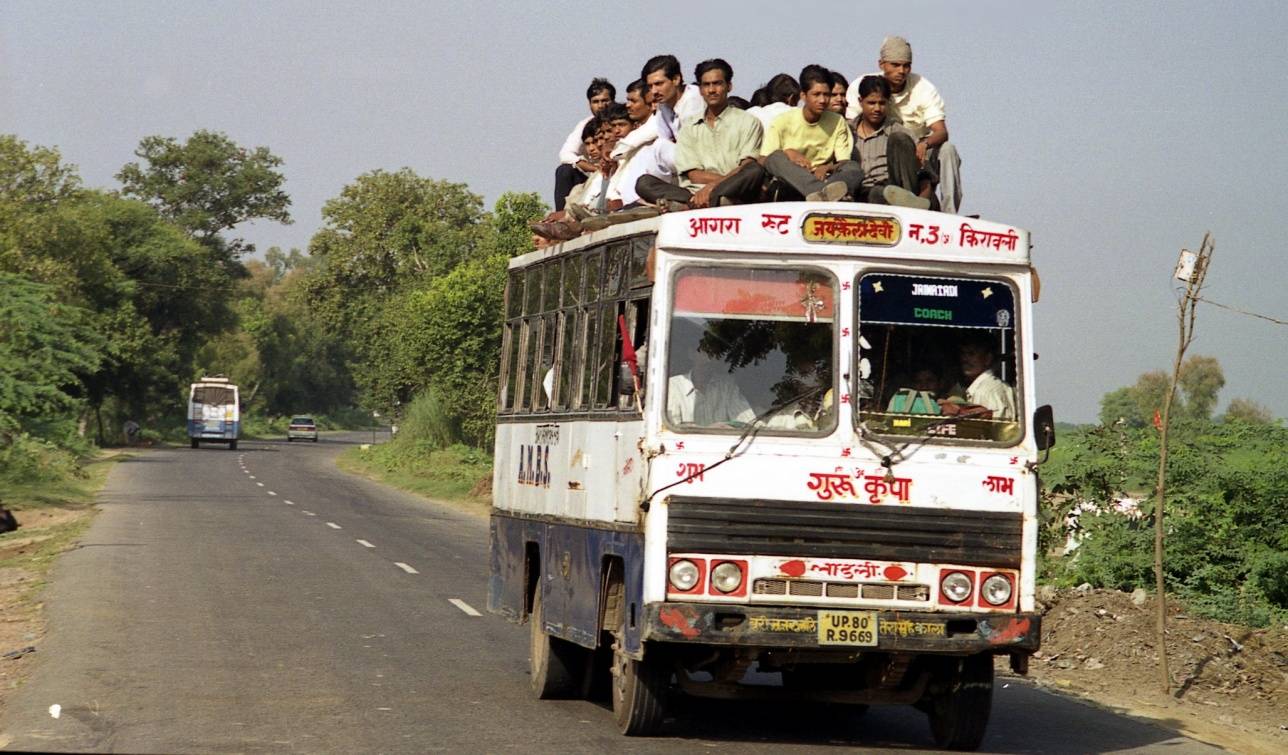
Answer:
[(1191, 269)]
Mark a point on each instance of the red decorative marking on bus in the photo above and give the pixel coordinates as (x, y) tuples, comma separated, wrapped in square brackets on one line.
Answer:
[(1014, 630), (845, 452), (679, 445), (845, 332), (995, 484), (628, 466), (678, 620), (894, 573), (792, 568), (1015, 460)]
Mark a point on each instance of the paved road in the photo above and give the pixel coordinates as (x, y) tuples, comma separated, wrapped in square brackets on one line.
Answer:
[(263, 601)]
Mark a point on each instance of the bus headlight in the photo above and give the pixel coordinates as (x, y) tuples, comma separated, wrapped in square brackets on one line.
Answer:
[(684, 575), (996, 590), (726, 577), (956, 586)]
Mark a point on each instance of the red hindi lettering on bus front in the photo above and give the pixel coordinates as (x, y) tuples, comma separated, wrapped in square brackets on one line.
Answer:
[(772, 222)]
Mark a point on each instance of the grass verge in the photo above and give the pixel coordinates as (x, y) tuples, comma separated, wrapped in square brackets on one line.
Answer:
[(456, 474)]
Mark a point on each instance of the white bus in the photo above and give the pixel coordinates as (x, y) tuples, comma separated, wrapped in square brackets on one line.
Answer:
[(214, 412), (824, 467)]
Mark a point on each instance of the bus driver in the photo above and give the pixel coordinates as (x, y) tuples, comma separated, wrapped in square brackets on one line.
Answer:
[(704, 393)]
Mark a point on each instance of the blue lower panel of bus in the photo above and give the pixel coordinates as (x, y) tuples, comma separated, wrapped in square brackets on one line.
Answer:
[(213, 429), (568, 563)]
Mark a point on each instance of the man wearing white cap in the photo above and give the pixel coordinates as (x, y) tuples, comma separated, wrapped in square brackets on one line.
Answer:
[(917, 105)]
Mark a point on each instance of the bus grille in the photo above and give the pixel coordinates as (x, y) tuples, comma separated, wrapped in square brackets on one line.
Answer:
[(813, 589), (829, 530)]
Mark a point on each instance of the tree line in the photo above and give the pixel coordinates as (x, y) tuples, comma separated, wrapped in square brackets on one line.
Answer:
[(111, 302)]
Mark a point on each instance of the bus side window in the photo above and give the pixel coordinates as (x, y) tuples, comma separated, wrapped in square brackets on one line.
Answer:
[(567, 369), (509, 368), (605, 348), (586, 346), (522, 381)]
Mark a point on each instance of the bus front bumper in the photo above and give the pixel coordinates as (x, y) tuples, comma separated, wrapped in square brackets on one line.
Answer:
[(801, 627)]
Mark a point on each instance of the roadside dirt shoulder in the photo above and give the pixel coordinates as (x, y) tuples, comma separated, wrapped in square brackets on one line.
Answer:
[(1230, 683), (26, 555)]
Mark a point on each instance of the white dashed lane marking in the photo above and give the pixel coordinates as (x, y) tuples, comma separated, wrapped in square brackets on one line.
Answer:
[(271, 493), (466, 607), (405, 567), (334, 526), (252, 477), (289, 503), (260, 484), (365, 544), (309, 513)]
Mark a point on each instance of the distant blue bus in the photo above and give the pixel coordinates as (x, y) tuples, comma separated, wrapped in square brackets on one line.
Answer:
[(214, 412)]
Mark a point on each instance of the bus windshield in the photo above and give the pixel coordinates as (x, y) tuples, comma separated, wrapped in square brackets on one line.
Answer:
[(937, 357), (744, 341)]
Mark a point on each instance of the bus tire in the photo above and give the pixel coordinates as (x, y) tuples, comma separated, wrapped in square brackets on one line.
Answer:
[(959, 712), (232, 445), (194, 442), (555, 665), (639, 689)]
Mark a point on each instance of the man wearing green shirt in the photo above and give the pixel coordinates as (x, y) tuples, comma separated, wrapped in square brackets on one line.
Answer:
[(715, 154), (809, 149)]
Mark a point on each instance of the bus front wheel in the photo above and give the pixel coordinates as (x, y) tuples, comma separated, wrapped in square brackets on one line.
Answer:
[(959, 709), (639, 688), (554, 663)]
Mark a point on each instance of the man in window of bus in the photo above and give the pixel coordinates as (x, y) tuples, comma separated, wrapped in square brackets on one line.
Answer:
[(573, 165), (702, 392), (917, 105), (984, 390), (887, 153), (809, 148), (715, 153)]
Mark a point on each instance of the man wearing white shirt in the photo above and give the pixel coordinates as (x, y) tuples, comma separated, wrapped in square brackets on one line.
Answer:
[(673, 104), (706, 395), (917, 105), (985, 389), (573, 165)]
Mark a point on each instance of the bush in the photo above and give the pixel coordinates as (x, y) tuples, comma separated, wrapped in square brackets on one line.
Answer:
[(1226, 536), (32, 460)]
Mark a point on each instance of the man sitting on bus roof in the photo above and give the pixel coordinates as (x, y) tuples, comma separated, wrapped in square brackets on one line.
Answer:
[(715, 153), (573, 165), (673, 105), (809, 148), (781, 94), (917, 105), (887, 153)]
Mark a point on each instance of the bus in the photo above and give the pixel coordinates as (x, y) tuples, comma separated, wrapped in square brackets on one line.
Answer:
[(780, 450), (214, 412)]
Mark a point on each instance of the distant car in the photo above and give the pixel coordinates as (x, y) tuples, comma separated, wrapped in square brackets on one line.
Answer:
[(302, 428)]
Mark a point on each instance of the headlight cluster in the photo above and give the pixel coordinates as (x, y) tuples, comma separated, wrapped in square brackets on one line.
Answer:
[(957, 586), (690, 575)]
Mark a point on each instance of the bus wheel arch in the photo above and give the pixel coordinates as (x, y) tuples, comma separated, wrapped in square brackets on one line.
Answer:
[(556, 666), (639, 685)]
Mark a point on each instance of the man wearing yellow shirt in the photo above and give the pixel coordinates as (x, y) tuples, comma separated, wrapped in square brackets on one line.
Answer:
[(809, 148)]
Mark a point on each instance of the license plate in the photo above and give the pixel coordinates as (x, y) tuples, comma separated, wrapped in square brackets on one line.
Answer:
[(847, 628)]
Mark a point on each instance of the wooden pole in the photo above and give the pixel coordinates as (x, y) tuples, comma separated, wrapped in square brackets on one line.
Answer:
[(1185, 327)]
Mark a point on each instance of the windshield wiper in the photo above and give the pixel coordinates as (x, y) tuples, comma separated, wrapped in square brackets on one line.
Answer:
[(895, 455), (752, 428)]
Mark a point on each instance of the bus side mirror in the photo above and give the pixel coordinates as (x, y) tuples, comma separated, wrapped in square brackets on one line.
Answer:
[(1044, 427), (625, 379)]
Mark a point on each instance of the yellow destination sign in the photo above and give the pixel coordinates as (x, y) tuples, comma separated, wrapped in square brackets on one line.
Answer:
[(866, 230)]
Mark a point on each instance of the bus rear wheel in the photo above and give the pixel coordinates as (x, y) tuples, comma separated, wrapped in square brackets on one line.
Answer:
[(639, 687), (555, 665), (959, 709), (194, 442), (232, 445)]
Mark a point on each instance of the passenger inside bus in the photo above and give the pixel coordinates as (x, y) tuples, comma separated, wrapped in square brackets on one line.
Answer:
[(700, 390)]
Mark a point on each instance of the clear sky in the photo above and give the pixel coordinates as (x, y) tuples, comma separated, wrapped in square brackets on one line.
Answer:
[(1116, 132)]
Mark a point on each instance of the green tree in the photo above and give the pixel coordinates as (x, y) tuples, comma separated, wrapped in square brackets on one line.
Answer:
[(1249, 412), (208, 184), (1135, 405), (45, 349), (1201, 379)]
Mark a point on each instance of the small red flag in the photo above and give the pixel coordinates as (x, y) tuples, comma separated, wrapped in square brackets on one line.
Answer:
[(1158, 421), (628, 349)]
